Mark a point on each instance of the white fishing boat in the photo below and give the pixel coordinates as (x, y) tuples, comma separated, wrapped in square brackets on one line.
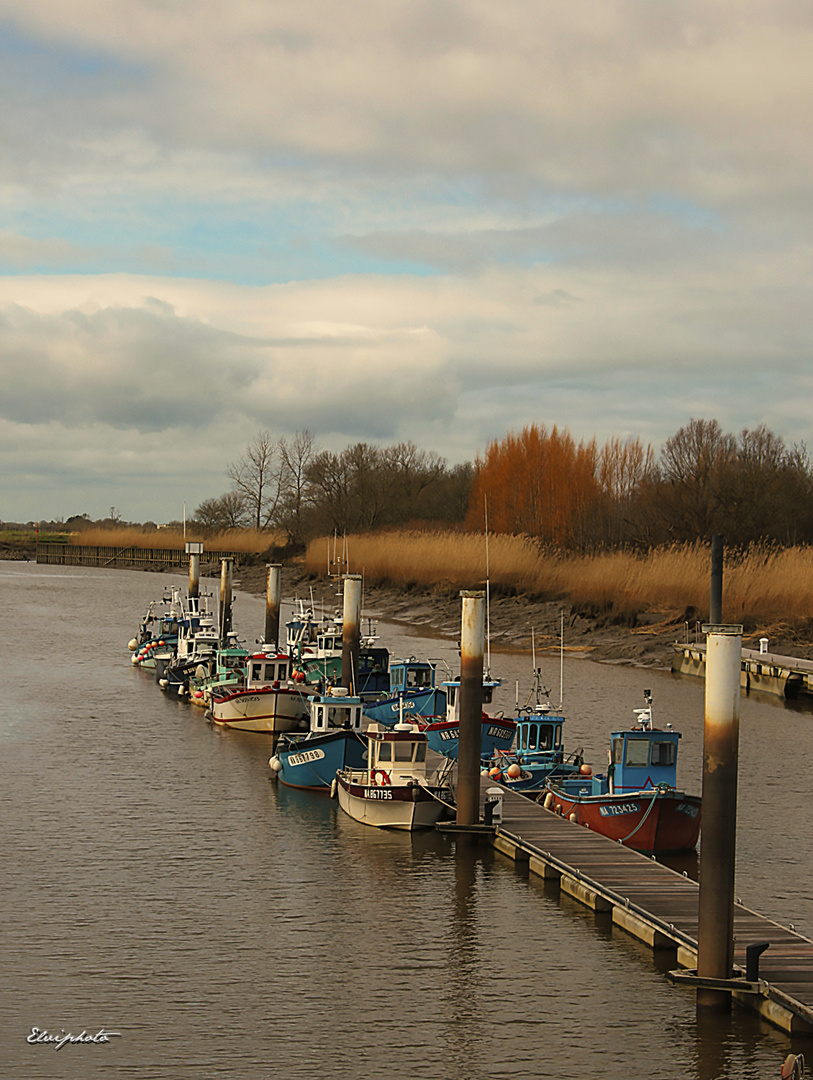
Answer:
[(268, 700), (396, 790)]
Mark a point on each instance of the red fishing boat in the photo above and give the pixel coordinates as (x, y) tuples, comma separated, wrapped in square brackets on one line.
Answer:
[(637, 802)]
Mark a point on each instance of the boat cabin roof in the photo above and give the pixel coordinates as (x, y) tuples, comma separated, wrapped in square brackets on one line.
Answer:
[(398, 733)]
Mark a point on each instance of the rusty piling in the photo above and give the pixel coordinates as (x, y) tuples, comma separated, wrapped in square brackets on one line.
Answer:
[(351, 631), (226, 568), (194, 549), (472, 642), (273, 593), (715, 937)]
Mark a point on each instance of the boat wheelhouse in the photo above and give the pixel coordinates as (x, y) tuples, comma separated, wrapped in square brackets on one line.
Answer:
[(269, 701), (412, 695)]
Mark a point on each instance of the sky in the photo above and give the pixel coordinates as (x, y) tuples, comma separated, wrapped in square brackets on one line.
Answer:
[(434, 221)]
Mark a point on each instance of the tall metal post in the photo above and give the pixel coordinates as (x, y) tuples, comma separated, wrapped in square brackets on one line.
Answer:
[(273, 592), (716, 601), (226, 567), (472, 643), (351, 631), (715, 938)]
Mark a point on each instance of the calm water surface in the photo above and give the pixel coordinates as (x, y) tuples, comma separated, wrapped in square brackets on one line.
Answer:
[(157, 884)]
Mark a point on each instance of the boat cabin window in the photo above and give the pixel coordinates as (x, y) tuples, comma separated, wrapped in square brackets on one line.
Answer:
[(452, 693), (283, 671), (663, 753), (385, 751), (397, 679), (256, 672), (270, 672), (544, 735), (637, 752), (417, 679), (488, 694)]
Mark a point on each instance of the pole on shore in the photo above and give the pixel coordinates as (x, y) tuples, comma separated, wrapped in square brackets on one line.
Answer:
[(716, 601), (472, 639), (351, 632), (194, 549), (226, 567), (715, 937), (273, 593)]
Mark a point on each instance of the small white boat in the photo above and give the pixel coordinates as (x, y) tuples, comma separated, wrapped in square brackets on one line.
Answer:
[(396, 790), (268, 700)]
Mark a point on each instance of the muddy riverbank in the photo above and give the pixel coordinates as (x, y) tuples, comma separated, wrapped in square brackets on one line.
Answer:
[(515, 619)]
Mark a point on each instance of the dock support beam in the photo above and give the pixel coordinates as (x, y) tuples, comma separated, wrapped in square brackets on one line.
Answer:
[(273, 592), (715, 938), (472, 643), (351, 632)]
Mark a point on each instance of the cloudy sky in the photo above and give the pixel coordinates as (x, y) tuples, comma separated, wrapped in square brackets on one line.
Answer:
[(387, 220)]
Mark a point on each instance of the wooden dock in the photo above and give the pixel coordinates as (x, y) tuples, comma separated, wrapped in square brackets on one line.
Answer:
[(772, 673), (657, 905)]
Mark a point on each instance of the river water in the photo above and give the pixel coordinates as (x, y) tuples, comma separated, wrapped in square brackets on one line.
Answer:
[(159, 887)]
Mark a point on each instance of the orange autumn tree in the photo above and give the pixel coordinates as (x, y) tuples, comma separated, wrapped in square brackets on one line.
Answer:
[(540, 484)]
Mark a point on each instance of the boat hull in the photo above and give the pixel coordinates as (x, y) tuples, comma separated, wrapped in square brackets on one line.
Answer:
[(417, 705), (443, 736), (269, 710), (312, 763), (652, 822), (391, 807)]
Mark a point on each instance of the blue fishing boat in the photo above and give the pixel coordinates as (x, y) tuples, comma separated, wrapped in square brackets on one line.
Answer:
[(538, 752), (444, 735), (412, 694), (158, 630), (335, 741)]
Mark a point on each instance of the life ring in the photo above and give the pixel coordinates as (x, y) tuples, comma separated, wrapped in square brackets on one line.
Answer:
[(379, 776)]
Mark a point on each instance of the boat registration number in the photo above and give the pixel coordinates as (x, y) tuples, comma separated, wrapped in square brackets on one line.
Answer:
[(302, 759), (499, 733), (686, 808), (619, 809), (377, 793)]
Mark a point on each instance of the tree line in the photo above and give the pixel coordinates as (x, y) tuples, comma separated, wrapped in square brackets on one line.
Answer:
[(540, 483)]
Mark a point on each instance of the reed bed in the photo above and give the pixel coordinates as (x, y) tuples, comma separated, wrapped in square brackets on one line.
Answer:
[(762, 586), (248, 541)]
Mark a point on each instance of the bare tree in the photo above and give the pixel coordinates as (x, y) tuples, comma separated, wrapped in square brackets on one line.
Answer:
[(297, 457), (226, 512), (259, 477)]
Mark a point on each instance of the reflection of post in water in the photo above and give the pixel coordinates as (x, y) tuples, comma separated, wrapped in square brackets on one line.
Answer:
[(713, 1043), (463, 1015)]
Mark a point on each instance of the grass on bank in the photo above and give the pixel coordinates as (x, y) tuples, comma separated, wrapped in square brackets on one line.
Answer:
[(248, 541), (762, 587)]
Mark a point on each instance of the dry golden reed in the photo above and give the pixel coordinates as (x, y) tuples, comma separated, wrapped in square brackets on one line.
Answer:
[(761, 586), (248, 541)]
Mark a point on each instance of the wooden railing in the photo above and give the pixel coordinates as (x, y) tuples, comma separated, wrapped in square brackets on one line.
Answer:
[(129, 558)]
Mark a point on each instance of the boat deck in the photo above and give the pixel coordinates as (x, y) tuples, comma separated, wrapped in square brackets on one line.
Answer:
[(657, 905)]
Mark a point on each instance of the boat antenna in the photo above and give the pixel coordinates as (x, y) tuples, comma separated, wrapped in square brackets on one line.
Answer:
[(562, 659)]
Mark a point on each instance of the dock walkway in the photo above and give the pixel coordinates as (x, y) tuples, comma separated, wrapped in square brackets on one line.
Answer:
[(656, 905), (788, 676)]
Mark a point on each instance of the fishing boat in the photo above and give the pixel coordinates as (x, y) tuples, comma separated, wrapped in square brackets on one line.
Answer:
[(335, 741), (396, 790), (198, 640), (323, 666), (412, 693), (158, 629), (497, 732), (269, 700), (637, 802), (538, 751)]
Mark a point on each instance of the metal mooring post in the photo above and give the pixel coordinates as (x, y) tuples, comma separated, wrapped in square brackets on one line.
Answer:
[(273, 593), (351, 631), (715, 937), (226, 567), (472, 643), (716, 601)]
